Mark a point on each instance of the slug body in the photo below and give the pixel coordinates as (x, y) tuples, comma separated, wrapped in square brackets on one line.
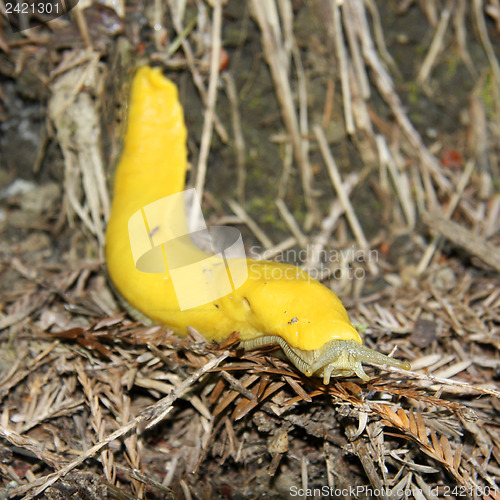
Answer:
[(277, 304)]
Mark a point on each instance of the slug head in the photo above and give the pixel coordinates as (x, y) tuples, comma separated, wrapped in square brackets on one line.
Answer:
[(337, 358), (344, 358)]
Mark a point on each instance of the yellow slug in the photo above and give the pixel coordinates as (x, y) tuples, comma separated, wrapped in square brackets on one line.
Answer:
[(277, 304)]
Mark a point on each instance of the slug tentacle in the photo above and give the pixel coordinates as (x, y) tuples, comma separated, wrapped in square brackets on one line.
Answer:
[(337, 358), (344, 357)]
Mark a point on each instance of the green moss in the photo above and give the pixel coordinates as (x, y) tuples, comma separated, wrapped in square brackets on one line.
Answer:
[(413, 93), (487, 94), (451, 65), (360, 327)]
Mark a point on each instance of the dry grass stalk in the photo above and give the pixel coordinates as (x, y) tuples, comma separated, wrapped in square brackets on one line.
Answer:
[(478, 144), (275, 250), (478, 10), (343, 65), (355, 49), (320, 241), (177, 14), (287, 170), (209, 115), (378, 33), (400, 179), (290, 43), (461, 35), (71, 111), (344, 199), (291, 223), (265, 13), (240, 212), (385, 86), (464, 238), (436, 45), (454, 201), (239, 139)]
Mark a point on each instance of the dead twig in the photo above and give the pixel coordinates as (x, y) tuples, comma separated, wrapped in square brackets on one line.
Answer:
[(472, 243), (32, 447), (471, 389)]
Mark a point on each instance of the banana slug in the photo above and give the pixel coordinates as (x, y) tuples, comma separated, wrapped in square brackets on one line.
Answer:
[(277, 304)]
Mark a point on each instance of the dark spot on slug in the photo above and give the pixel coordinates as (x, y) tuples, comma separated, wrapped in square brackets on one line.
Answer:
[(247, 303), (293, 320)]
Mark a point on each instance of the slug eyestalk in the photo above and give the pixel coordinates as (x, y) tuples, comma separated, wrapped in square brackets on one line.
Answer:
[(337, 358)]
